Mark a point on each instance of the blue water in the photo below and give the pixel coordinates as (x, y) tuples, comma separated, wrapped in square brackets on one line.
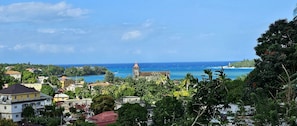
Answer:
[(177, 70)]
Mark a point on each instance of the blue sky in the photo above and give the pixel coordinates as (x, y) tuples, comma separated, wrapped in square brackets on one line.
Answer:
[(128, 31)]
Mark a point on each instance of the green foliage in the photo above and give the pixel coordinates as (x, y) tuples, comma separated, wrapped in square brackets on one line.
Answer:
[(71, 94), (83, 123), (50, 70), (167, 111), (275, 47), (124, 90), (28, 77), (47, 89), (210, 94), (235, 90), (131, 115), (109, 77), (85, 70), (7, 122), (102, 103), (2, 77), (28, 112), (244, 63), (45, 121), (54, 80)]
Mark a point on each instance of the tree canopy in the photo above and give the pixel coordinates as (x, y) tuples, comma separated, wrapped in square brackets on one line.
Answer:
[(102, 103), (132, 115)]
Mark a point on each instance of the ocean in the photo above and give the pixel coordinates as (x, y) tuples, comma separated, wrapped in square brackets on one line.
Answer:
[(178, 70)]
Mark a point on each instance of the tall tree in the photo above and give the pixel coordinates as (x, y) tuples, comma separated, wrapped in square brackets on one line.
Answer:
[(47, 89), (132, 115), (275, 47), (102, 103), (109, 77), (167, 111)]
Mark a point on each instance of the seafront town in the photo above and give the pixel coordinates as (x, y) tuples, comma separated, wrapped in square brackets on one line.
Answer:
[(182, 35), (72, 99)]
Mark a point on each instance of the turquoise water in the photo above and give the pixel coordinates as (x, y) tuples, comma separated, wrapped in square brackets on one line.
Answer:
[(177, 70)]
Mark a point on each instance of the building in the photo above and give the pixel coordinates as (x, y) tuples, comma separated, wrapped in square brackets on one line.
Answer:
[(150, 75), (15, 74), (60, 97), (36, 86), (128, 99), (16, 97), (104, 118)]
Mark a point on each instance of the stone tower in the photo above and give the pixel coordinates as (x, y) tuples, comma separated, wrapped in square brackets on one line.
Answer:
[(136, 71)]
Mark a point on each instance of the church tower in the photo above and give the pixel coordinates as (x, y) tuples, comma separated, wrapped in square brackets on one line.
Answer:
[(136, 71)]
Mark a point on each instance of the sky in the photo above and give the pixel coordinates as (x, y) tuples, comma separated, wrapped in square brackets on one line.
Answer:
[(128, 31)]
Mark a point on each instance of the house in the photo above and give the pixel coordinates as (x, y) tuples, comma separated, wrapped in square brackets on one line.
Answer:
[(36, 86), (128, 99), (60, 97), (149, 75), (15, 74), (101, 84), (16, 97), (104, 118)]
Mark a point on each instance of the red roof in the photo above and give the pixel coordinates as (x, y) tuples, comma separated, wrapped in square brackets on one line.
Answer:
[(104, 118)]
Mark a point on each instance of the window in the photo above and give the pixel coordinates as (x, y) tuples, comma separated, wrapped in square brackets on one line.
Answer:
[(15, 97), (15, 106), (27, 95), (4, 107), (16, 115)]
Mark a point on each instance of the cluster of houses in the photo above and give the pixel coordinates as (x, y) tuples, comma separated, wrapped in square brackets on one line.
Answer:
[(13, 99)]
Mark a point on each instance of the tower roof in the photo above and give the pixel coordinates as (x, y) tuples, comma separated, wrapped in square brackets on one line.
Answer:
[(136, 65)]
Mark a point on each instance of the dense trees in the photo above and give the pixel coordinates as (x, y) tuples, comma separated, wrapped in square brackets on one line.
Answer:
[(7, 122), (85, 70), (132, 115), (102, 103), (276, 47), (28, 112), (29, 77), (47, 89), (109, 77), (167, 111)]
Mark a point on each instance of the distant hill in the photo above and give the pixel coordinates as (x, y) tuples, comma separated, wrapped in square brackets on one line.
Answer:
[(244, 63)]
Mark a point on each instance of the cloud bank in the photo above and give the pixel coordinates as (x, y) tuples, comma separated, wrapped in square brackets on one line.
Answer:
[(39, 12)]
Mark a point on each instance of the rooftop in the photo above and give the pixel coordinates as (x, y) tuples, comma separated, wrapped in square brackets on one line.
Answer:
[(17, 89)]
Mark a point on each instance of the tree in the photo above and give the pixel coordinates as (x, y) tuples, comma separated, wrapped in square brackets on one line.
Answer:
[(189, 79), (54, 80), (28, 77), (28, 112), (167, 111), (2, 81), (71, 94), (7, 122), (47, 89), (102, 103), (108, 77), (132, 115), (209, 95), (275, 47)]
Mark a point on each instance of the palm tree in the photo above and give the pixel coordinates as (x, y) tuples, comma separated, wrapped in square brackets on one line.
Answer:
[(189, 79)]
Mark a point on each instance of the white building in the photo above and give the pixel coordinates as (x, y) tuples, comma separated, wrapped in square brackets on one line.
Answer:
[(16, 97)]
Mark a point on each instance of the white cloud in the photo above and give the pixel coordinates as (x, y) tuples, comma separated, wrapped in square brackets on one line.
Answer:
[(47, 30), (131, 35), (44, 48), (2, 46), (39, 11), (63, 30)]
